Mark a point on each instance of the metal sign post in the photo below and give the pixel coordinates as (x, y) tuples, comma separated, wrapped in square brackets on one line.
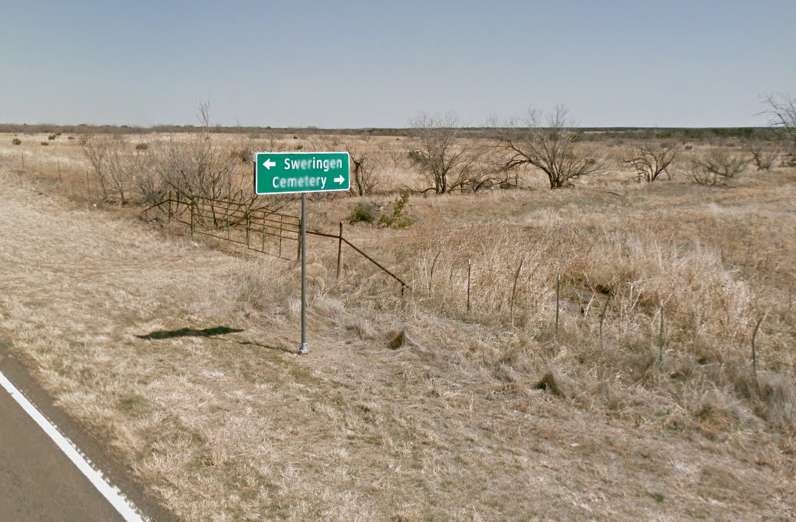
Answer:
[(278, 173), (303, 348)]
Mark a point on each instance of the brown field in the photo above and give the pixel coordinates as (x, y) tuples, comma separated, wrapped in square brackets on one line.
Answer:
[(481, 414)]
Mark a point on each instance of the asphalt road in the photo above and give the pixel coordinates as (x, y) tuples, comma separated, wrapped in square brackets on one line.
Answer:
[(37, 481)]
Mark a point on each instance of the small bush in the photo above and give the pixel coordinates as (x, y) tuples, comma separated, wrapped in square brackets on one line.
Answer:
[(717, 168), (44, 143), (141, 146), (16, 141), (364, 212), (763, 159), (398, 217), (51, 137)]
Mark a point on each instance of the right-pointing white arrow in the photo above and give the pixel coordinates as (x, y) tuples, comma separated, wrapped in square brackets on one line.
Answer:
[(339, 179), (268, 164)]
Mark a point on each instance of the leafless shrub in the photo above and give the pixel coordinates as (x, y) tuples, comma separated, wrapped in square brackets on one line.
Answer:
[(717, 167), (552, 148), (96, 151), (141, 146), (364, 168), (650, 161), (782, 110), (121, 169), (201, 168), (16, 141), (114, 169), (44, 143), (762, 157), (448, 165)]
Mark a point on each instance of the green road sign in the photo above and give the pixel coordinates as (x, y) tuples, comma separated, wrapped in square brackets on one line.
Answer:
[(294, 172)]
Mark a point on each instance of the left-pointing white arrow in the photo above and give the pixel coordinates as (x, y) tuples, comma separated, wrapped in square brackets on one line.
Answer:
[(268, 164), (339, 179)]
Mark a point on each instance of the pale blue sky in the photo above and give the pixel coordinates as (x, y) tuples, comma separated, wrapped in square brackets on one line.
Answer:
[(378, 63)]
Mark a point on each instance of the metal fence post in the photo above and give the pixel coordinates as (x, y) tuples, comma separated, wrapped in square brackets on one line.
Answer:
[(280, 234), (339, 249), (248, 225), (469, 269), (558, 293)]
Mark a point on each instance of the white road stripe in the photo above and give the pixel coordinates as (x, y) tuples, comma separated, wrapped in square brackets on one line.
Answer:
[(111, 493)]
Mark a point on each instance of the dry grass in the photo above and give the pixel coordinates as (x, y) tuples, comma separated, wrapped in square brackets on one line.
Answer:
[(480, 415)]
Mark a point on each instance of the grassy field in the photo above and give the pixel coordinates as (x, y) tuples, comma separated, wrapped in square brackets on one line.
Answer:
[(484, 413)]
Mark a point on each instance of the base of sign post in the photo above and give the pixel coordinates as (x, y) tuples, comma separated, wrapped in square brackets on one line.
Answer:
[(303, 349)]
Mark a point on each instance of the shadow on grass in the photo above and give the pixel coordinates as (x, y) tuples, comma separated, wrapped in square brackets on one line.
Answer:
[(267, 347), (189, 332), (209, 332)]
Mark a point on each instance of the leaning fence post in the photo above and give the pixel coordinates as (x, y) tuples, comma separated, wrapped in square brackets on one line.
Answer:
[(754, 350), (431, 275), (192, 220), (469, 269), (169, 196), (340, 249), (514, 290)]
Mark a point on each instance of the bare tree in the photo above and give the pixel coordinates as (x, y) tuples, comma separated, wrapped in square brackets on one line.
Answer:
[(650, 161), (782, 110), (552, 148), (448, 165), (200, 167), (365, 168), (717, 167)]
